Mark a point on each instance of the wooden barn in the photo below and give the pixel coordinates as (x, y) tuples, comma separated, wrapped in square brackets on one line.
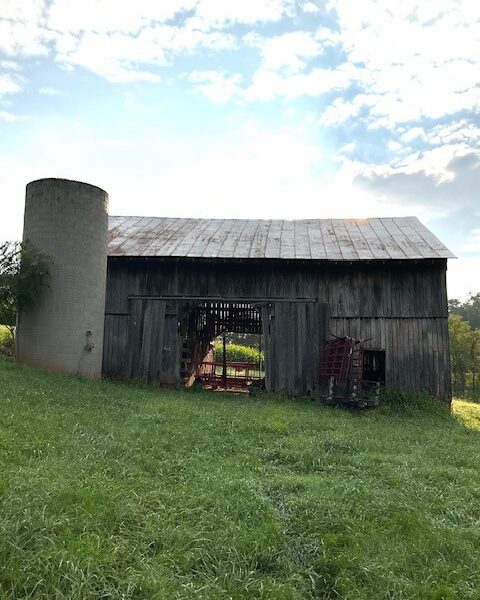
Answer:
[(173, 285)]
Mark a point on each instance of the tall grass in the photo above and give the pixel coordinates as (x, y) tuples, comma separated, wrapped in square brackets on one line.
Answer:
[(108, 491)]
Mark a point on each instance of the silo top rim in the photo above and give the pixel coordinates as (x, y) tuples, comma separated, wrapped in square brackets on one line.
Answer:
[(67, 181)]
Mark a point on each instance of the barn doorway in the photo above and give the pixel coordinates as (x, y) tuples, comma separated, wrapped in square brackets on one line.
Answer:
[(222, 345), (170, 338)]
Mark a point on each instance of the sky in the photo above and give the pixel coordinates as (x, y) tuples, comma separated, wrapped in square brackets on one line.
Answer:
[(250, 109)]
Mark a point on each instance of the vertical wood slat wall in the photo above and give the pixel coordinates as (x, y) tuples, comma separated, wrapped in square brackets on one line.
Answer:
[(403, 306)]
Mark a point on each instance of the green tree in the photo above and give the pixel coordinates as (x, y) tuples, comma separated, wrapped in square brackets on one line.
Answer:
[(474, 361), (24, 274), (468, 310), (460, 351)]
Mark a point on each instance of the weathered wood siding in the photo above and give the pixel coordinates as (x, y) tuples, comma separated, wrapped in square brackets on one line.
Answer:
[(416, 349), (403, 305), (294, 333)]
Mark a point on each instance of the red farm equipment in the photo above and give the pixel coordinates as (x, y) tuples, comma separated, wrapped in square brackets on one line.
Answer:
[(341, 374)]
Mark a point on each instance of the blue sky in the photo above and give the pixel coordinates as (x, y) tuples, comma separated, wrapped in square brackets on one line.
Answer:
[(250, 108)]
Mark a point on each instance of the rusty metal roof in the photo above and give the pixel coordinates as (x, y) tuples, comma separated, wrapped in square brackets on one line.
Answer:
[(318, 239)]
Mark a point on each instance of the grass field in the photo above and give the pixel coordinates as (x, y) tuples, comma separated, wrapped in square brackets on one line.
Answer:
[(111, 491)]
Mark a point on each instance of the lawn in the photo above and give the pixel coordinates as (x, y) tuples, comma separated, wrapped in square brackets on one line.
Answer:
[(113, 491)]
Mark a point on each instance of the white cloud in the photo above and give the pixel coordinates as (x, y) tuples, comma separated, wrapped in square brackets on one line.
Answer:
[(288, 50), (9, 65), (347, 148), (457, 132), (218, 86), (49, 91), (9, 85), (127, 41), (340, 110), (20, 38), (283, 69), (7, 116), (116, 56), (422, 59), (413, 134), (267, 85), (23, 10), (111, 16), (394, 146), (216, 14), (310, 7), (121, 57)]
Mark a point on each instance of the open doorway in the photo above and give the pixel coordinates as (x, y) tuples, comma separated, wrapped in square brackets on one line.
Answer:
[(237, 363), (374, 366), (222, 346)]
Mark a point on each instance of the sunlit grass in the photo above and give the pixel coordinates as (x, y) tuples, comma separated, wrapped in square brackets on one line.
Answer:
[(468, 413), (113, 491)]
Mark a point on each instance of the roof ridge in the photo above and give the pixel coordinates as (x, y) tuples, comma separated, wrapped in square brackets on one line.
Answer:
[(305, 220)]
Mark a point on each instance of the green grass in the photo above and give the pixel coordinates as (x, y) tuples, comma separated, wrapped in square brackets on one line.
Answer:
[(111, 491)]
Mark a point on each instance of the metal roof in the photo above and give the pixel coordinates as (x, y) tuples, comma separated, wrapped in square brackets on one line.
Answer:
[(317, 239)]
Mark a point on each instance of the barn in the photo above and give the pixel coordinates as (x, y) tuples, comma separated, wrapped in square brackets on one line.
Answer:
[(172, 285)]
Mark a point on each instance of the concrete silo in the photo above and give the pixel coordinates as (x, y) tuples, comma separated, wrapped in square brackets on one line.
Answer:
[(69, 221)]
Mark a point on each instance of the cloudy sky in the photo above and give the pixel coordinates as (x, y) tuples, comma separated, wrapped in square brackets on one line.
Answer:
[(250, 108)]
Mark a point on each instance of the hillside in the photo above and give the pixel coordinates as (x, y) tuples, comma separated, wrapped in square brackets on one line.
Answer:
[(113, 491)]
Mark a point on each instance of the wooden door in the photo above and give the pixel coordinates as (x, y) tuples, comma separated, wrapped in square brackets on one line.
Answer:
[(152, 354), (294, 334)]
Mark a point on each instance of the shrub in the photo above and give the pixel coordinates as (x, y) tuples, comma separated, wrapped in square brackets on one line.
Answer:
[(7, 342)]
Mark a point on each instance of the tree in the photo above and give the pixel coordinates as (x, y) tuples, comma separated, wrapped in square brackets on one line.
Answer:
[(468, 310), (474, 357), (460, 351), (465, 355), (24, 274)]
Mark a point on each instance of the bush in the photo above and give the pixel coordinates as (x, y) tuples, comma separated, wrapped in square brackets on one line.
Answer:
[(236, 352), (7, 342)]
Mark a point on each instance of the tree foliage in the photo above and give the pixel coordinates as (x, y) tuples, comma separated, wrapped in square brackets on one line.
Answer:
[(24, 274), (238, 352), (468, 310), (465, 356)]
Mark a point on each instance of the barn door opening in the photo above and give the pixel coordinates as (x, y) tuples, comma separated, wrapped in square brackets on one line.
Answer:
[(207, 325), (294, 335), (169, 340)]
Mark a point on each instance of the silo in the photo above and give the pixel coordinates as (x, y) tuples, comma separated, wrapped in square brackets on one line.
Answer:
[(69, 221)]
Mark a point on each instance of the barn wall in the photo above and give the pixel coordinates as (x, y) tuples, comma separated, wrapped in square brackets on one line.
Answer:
[(402, 305), (416, 350)]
